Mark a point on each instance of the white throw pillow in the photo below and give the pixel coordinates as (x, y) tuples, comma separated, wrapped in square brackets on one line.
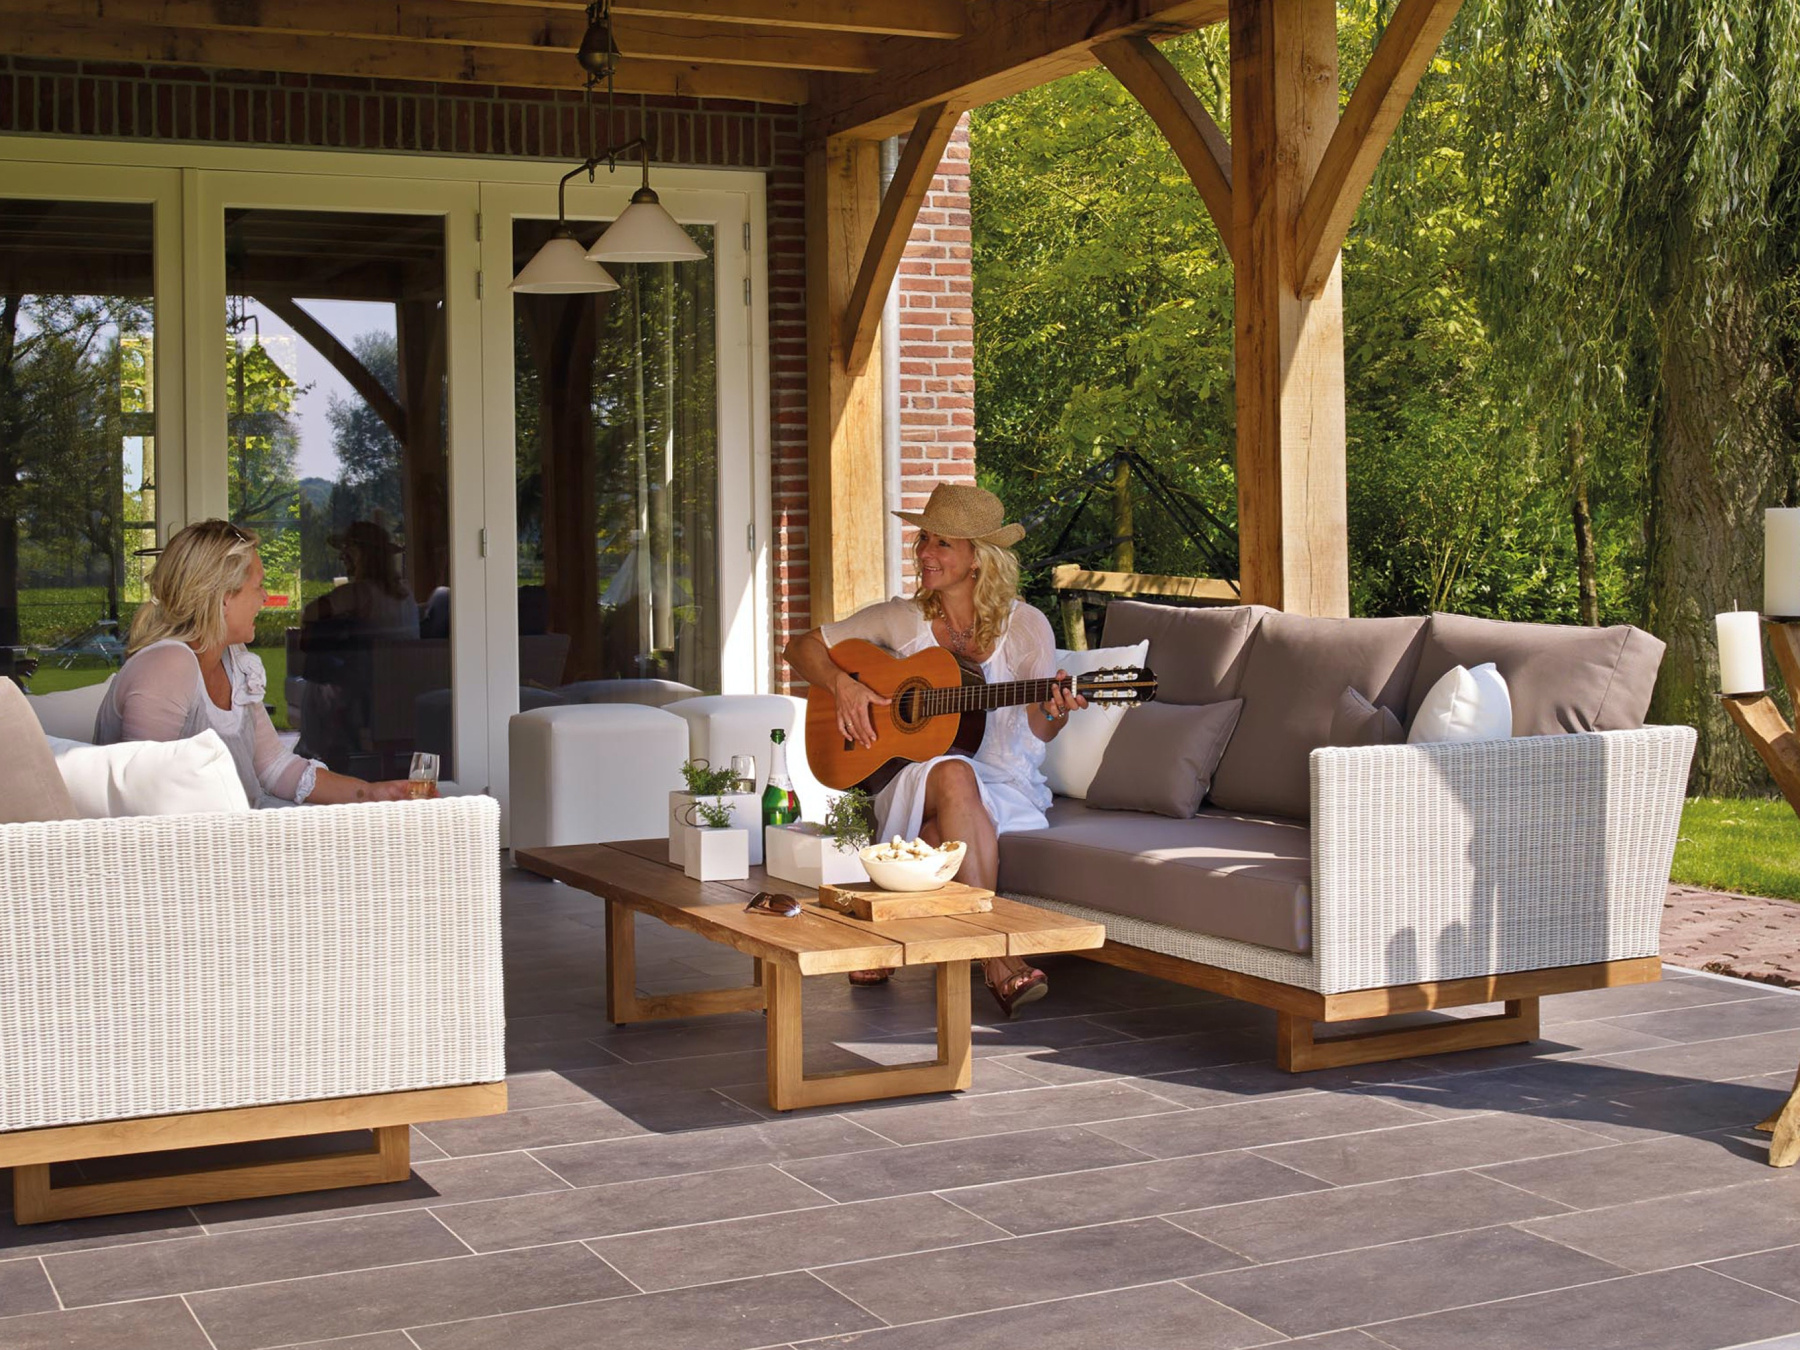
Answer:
[(150, 778), (70, 713), (1073, 758), (1465, 705)]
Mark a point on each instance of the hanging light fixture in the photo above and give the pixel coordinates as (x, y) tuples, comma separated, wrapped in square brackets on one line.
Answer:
[(644, 232)]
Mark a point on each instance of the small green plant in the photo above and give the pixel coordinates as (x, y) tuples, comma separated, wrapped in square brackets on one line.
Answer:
[(714, 815), (705, 781), (850, 821)]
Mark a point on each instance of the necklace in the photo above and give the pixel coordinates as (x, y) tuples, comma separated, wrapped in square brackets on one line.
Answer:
[(958, 639)]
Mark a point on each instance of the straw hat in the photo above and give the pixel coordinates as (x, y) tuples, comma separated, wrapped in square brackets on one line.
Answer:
[(964, 511)]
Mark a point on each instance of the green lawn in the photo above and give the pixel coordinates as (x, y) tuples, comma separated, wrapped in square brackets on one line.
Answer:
[(51, 678), (1751, 846)]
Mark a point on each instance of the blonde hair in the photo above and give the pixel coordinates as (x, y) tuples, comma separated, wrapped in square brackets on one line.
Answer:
[(996, 587), (203, 563)]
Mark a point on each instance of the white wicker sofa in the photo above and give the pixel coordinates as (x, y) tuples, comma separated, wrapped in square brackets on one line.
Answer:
[(1342, 884), (172, 982)]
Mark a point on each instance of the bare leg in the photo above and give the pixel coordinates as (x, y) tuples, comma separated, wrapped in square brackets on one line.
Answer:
[(953, 810)]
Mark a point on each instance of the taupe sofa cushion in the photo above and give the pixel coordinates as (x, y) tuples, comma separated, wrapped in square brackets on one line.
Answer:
[(1197, 654), (1162, 756), (1296, 672), (1223, 875), (1561, 677), (31, 788)]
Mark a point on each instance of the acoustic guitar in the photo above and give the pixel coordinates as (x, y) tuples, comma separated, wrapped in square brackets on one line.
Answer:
[(939, 707)]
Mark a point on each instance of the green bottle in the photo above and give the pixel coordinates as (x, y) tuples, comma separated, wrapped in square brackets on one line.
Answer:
[(779, 804)]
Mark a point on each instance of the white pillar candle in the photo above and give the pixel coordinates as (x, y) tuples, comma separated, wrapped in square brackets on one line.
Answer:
[(1781, 562), (1740, 653)]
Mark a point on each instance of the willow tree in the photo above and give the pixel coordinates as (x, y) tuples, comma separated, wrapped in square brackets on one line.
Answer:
[(1643, 155)]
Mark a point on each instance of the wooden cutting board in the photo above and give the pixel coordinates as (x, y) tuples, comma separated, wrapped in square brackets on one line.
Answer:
[(866, 900)]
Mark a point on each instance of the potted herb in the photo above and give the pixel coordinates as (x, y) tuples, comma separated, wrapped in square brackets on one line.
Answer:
[(815, 855), (701, 781), (714, 849)]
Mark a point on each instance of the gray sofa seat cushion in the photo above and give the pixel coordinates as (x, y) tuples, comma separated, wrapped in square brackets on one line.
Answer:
[(1296, 672), (1562, 677), (1197, 653), (1229, 876)]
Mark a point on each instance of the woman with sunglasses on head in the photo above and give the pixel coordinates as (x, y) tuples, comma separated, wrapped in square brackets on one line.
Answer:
[(967, 602), (189, 668)]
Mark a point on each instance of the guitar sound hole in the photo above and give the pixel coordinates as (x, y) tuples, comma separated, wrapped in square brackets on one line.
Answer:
[(909, 713)]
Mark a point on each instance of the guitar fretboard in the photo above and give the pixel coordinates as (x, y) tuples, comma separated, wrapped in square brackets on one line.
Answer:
[(981, 697)]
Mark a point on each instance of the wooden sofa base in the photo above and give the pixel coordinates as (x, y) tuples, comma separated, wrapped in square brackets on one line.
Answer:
[(1300, 1011), (389, 1116)]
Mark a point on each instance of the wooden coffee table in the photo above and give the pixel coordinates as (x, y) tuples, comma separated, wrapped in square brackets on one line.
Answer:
[(636, 876)]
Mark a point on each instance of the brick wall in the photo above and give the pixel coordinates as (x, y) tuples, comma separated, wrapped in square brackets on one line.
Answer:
[(118, 101)]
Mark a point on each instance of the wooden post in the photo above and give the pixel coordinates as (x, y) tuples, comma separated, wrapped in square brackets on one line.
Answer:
[(843, 401), (1292, 546)]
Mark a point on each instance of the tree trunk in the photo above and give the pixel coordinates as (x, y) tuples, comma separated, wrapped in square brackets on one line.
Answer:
[(1720, 453), (1585, 568)]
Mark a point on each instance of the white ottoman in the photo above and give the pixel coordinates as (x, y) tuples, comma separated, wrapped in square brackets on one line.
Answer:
[(592, 773), (652, 693), (723, 725)]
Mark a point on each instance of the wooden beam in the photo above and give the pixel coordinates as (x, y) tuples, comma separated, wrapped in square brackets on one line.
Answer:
[(1292, 547), (1074, 577), (1011, 45), (1400, 60), (843, 402), (900, 18), (1182, 118), (461, 23), (57, 37), (359, 377), (899, 209)]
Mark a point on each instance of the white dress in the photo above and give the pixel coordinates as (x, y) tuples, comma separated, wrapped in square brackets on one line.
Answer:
[(1008, 765)]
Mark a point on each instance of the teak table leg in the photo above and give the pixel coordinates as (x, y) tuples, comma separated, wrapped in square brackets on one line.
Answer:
[(624, 1003), (791, 1087)]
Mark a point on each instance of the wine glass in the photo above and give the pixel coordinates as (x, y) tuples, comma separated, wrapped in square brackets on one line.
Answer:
[(421, 779), (743, 773)]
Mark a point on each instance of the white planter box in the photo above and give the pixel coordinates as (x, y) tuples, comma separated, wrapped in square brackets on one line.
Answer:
[(746, 815), (805, 855), (717, 855)]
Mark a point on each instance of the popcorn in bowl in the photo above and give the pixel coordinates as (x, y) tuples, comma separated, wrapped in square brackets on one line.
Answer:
[(902, 865)]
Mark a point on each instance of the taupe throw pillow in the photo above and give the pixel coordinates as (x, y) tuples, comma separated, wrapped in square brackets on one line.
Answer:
[(1162, 757), (1359, 722), (32, 786)]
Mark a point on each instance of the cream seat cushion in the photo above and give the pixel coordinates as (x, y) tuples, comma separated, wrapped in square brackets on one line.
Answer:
[(195, 776)]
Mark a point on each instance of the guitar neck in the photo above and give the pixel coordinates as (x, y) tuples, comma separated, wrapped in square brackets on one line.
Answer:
[(987, 697)]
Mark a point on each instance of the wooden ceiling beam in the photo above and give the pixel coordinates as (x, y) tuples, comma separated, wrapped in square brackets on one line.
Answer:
[(53, 36), (1182, 118), (890, 18), (463, 23), (1010, 46)]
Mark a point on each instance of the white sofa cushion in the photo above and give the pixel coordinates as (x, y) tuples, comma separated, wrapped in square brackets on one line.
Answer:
[(150, 778), (1073, 758), (1465, 705), (70, 713)]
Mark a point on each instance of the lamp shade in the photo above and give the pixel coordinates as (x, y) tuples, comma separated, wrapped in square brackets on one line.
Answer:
[(645, 233), (560, 267)]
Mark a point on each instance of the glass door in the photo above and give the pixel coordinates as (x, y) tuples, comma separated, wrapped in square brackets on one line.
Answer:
[(333, 310)]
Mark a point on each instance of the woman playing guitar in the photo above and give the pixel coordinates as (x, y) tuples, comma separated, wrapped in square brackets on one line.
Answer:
[(968, 603)]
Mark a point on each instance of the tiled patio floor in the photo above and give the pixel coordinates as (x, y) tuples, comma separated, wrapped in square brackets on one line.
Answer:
[(1129, 1170)]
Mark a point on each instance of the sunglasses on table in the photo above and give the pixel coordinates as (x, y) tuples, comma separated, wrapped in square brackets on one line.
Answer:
[(773, 902)]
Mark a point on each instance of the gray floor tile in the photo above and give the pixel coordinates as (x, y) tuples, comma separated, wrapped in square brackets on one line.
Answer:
[(1440, 1146), (434, 1183), (164, 1324), (582, 1123), (1714, 1061), (770, 1244), (1026, 1270), (1622, 1173), (627, 1207), (1682, 1230), (325, 1306), (1139, 1058), (380, 1340), (1349, 1289), (1256, 1122), (966, 1118), (1136, 1191), (533, 1056), (1661, 996), (1154, 1317), (76, 1234), (961, 1162), (708, 1150), (24, 1289), (1337, 1340), (1698, 1108), (719, 1317), (1692, 1309), (1318, 1222), (1741, 1017), (1776, 1271), (182, 1265)]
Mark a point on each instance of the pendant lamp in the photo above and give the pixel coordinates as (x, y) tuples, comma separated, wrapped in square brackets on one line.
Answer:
[(645, 232)]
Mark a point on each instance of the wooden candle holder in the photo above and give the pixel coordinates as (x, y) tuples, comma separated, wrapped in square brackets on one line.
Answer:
[(1760, 720)]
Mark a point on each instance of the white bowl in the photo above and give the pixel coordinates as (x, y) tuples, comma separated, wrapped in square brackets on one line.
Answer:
[(913, 874)]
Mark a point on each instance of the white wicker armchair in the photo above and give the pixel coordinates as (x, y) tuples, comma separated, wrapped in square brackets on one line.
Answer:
[(173, 981)]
